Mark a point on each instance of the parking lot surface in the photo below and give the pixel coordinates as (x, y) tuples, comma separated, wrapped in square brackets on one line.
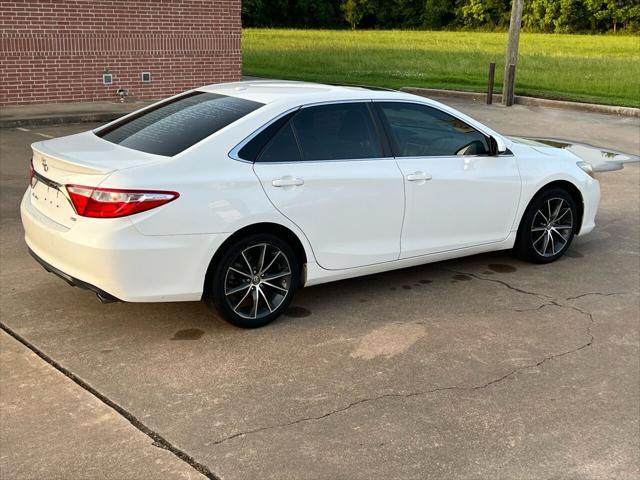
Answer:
[(481, 367)]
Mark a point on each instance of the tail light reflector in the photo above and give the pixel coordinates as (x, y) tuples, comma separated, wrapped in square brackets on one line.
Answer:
[(112, 203)]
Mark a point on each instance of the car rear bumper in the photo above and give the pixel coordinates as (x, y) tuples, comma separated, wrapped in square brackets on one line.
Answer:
[(112, 258), (75, 282)]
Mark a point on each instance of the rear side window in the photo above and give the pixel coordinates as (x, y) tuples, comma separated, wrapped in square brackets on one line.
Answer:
[(175, 125), (336, 132), (421, 131), (282, 147), (253, 148)]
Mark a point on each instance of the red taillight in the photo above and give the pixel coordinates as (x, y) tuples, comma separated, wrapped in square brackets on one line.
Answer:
[(112, 203), (31, 170)]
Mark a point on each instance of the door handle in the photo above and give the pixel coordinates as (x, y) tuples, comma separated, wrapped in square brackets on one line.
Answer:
[(418, 176), (287, 181)]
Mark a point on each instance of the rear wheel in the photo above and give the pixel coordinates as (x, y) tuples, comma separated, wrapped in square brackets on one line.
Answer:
[(254, 280), (547, 227)]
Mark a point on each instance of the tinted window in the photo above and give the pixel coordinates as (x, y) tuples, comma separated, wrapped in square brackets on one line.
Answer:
[(282, 148), (334, 132), (252, 149), (417, 131), (175, 125)]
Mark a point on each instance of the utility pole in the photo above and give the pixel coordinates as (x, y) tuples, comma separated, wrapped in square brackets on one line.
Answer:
[(512, 52)]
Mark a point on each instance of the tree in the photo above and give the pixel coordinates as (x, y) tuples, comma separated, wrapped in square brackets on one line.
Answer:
[(539, 15), (607, 14), (572, 17), (438, 13), (353, 11), (251, 12), (265, 13), (483, 13), (631, 16), (315, 13), (404, 13)]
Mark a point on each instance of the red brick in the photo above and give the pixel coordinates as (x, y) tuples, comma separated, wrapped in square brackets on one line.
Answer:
[(56, 50)]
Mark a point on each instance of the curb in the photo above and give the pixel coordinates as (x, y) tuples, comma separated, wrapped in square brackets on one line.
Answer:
[(528, 101)]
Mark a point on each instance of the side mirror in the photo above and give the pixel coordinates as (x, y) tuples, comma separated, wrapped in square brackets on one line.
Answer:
[(497, 145)]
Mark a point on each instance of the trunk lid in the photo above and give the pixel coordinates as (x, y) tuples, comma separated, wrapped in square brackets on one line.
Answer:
[(81, 159)]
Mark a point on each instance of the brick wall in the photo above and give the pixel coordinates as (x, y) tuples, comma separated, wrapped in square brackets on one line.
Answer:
[(57, 50)]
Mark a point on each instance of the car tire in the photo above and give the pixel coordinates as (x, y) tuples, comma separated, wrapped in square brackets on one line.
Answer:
[(547, 227), (254, 280)]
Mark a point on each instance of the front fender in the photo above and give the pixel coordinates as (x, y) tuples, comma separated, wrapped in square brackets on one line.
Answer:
[(541, 167)]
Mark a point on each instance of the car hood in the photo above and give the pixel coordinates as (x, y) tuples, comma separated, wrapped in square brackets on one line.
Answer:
[(601, 159)]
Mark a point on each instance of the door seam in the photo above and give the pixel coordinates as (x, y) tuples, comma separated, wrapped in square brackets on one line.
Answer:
[(315, 258), (404, 210)]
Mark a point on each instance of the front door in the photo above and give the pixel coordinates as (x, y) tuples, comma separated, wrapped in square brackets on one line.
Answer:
[(457, 194)]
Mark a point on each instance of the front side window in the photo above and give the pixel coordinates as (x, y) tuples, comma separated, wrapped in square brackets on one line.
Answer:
[(421, 131), (175, 125), (336, 132)]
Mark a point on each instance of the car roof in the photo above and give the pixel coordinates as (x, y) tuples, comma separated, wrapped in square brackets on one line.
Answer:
[(299, 93)]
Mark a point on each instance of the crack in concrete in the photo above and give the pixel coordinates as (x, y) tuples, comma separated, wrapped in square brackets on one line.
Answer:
[(549, 302), (158, 440), (552, 302), (503, 283), (599, 294), (535, 309)]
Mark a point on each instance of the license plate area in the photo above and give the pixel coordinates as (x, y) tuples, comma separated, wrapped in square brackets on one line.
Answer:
[(49, 198)]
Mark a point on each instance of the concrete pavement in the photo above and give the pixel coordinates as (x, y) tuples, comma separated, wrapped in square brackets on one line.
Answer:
[(597, 129), (46, 421), (482, 367), (64, 113)]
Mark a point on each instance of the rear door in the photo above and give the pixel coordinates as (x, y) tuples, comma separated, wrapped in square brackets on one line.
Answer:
[(326, 169), (458, 195)]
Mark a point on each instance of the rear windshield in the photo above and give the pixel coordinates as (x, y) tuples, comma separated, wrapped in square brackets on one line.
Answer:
[(175, 125)]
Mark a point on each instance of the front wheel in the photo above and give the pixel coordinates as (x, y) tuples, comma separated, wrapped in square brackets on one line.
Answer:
[(547, 227), (254, 280)]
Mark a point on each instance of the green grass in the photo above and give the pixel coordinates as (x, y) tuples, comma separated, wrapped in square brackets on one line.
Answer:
[(590, 68)]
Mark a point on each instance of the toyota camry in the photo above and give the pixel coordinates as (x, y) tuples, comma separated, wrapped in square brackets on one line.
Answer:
[(239, 194)]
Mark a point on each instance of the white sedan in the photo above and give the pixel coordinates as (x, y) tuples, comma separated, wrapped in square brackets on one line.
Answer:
[(241, 193)]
